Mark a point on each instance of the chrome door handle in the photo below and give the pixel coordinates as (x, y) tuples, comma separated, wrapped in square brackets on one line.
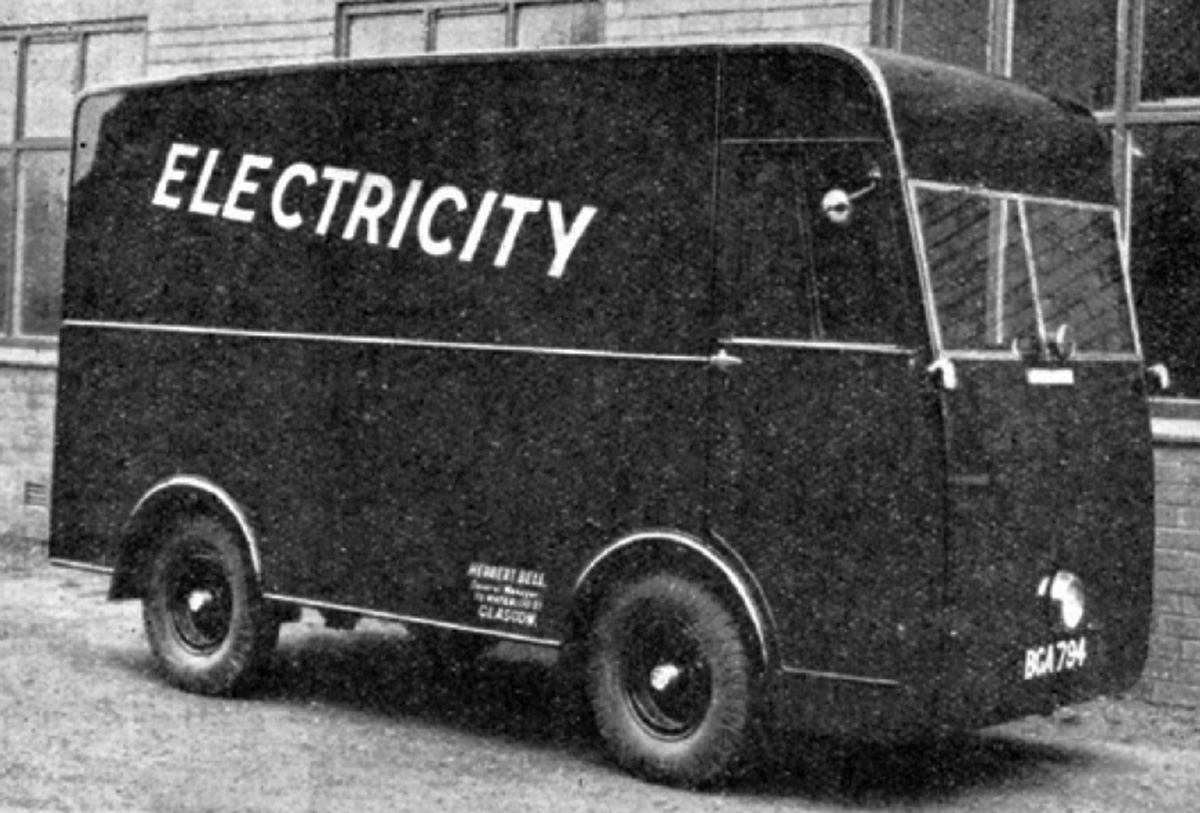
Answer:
[(724, 361)]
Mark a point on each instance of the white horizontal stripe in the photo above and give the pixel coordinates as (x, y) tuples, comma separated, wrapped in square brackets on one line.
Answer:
[(802, 344), (1008, 355), (792, 670), (73, 565), (409, 619), (382, 341), (998, 194), (1176, 429)]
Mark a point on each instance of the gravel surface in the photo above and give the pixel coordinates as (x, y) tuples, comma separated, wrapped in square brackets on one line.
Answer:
[(360, 722)]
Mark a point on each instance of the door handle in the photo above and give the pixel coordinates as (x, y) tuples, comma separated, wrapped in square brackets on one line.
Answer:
[(724, 361)]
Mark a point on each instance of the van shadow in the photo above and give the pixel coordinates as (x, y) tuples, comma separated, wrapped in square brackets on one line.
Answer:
[(875, 776), (508, 692), (513, 695)]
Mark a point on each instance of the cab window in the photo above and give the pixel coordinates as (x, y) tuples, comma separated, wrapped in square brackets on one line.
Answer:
[(809, 244)]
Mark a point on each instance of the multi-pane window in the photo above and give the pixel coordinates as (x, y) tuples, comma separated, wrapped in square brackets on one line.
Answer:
[(41, 70), (954, 31), (417, 26), (1067, 48), (1170, 58)]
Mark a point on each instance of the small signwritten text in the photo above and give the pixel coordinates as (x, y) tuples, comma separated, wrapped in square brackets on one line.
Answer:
[(507, 594)]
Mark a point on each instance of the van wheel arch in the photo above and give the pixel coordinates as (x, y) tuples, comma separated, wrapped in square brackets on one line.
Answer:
[(157, 512), (667, 552)]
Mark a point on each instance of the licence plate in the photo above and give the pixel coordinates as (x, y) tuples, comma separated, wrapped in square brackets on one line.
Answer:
[(1060, 656)]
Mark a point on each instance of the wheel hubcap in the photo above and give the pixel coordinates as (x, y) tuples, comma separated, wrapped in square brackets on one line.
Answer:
[(668, 683), (200, 601), (664, 676)]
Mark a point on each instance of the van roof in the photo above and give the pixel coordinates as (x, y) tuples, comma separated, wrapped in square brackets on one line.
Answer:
[(954, 124), (959, 126), (835, 50)]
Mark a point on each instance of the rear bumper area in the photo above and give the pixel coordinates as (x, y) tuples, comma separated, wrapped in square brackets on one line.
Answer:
[(845, 707), (1020, 680), (973, 688)]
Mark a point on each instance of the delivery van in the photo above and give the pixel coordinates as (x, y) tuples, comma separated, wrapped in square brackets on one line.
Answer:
[(774, 386)]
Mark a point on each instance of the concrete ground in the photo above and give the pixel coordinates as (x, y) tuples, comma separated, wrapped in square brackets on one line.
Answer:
[(358, 722)]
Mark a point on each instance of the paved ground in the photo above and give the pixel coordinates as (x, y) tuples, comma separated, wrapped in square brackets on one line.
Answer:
[(354, 722)]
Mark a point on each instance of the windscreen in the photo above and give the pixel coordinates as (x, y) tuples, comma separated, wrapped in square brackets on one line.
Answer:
[(1008, 271)]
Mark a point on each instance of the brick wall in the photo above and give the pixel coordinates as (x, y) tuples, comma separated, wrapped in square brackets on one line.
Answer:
[(199, 35), (28, 373), (1173, 671), (55, 12), (27, 416), (844, 21)]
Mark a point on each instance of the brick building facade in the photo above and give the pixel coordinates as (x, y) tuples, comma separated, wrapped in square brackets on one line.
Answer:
[(1107, 54)]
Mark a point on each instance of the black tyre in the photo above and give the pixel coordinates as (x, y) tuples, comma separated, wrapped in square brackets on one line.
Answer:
[(206, 623), (669, 681)]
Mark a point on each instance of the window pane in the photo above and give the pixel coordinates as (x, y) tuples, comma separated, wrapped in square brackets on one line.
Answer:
[(386, 34), (856, 259), (42, 203), (544, 25), (49, 89), (762, 256), (1171, 65), (1165, 249), (8, 90), (113, 58), (470, 32), (1069, 49), (8, 199), (954, 31), (1079, 275), (978, 267)]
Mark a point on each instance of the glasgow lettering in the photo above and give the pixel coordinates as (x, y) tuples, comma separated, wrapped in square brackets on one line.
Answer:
[(374, 209)]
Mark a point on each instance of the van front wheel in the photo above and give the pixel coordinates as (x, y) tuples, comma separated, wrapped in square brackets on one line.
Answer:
[(207, 626), (669, 681)]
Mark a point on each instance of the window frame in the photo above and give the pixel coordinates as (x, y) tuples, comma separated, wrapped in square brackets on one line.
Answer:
[(430, 11), (17, 346), (1141, 110), (1033, 261)]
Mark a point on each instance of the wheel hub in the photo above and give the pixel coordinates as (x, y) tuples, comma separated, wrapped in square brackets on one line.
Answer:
[(199, 600), (200, 605), (668, 682), (664, 677)]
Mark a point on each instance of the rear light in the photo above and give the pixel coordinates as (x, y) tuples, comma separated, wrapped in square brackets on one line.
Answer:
[(1065, 592)]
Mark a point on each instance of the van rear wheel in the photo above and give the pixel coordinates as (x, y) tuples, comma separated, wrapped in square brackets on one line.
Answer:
[(205, 621), (669, 681)]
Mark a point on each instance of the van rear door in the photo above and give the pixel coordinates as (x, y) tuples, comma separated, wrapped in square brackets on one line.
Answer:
[(1050, 486)]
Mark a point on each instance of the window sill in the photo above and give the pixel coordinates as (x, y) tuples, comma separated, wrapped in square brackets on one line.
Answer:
[(29, 356)]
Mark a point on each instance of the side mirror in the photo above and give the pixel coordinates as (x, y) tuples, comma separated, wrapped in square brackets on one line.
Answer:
[(838, 204)]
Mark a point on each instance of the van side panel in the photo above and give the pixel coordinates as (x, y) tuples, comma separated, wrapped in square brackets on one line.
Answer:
[(498, 388)]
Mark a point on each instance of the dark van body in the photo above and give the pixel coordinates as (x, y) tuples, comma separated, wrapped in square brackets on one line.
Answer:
[(830, 354)]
